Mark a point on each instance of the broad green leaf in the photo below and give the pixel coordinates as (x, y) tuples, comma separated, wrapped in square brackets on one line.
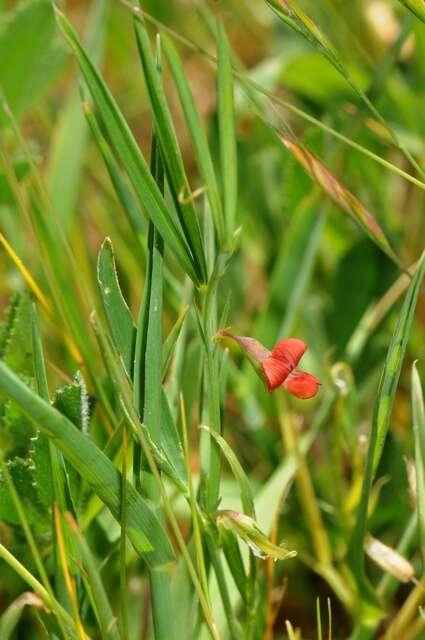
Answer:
[(17, 350), (21, 472), (144, 529), (172, 158), (227, 133), (418, 421), (72, 401), (381, 419), (197, 134), (416, 6), (67, 151), (117, 313), (131, 157), (29, 57), (40, 458)]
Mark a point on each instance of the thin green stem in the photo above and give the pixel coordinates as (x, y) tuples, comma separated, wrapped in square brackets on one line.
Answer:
[(319, 538), (123, 539), (47, 598), (193, 504)]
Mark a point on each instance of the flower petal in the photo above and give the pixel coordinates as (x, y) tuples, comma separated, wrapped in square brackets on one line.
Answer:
[(301, 384), (253, 349), (275, 372), (290, 350)]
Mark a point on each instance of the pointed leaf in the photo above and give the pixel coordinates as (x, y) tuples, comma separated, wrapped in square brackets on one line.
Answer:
[(197, 133), (381, 417), (164, 130), (117, 313), (227, 134), (130, 155)]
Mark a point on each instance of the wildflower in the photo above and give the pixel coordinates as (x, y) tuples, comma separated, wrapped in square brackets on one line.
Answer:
[(277, 367)]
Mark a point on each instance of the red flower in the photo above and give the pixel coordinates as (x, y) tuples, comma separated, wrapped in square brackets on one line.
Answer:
[(277, 367)]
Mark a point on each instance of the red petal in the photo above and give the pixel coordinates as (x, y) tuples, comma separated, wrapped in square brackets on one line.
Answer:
[(275, 372), (290, 351), (301, 384)]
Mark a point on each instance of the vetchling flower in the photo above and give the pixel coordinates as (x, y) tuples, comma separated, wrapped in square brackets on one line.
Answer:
[(277, 367)]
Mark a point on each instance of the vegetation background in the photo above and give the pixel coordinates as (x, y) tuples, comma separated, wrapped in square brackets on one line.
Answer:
[(259, 166)]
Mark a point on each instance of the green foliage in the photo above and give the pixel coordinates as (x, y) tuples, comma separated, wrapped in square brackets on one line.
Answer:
[(160, 491), (30, 56)]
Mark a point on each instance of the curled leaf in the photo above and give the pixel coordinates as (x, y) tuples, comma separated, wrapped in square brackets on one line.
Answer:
[(247, 529)]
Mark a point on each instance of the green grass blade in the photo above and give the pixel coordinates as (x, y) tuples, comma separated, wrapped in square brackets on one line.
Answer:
[(415, 6), (382, 414), (247, 498), (30, 57), (130, 155), (96, 590), (168, 142), (124, 194), (144, 529), (418, 421), (147, 384), (172, 339), (197, 134), (227, 132), (117, 313), (38, 588), (67, 153)]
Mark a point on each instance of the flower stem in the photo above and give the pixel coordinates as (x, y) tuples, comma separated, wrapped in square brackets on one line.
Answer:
[(308, 500)]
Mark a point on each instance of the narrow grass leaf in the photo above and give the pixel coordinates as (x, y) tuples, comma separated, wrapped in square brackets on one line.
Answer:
[(416, 6), (418, 421), (130, 155), (124, 194), (169, 145), (69, 143), (29, 55), (381, 417), (247, 498), (227, 132), (197, 134), (144, 529), (117, 313), (171, 340), (297, 19), (147, 388), (96, 590)]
